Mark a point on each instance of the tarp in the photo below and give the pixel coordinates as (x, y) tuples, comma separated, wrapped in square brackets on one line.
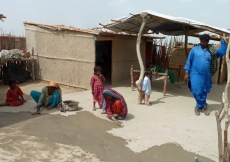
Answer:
[(17, 72), (160, 23), (6, 55)]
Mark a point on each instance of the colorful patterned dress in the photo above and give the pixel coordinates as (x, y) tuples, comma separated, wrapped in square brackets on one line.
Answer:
[(12, 97), (115, 106), (97, 86)]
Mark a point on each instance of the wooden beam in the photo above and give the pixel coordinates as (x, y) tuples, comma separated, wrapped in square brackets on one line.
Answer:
[(186, 30), (197, 36)]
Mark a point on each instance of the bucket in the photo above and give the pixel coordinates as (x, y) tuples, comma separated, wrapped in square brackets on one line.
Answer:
[(70, 105)]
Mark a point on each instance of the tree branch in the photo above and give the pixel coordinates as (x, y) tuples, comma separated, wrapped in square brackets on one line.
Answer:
[(223, 115)]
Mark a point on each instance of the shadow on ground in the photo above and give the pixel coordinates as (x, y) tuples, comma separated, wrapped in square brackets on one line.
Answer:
[(173, 90)]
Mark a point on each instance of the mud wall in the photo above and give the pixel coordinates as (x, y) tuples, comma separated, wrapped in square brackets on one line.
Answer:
[(123, 56), (65, 57)]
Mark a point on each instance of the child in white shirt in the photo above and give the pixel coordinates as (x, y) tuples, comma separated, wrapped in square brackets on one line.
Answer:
[(146, 87)]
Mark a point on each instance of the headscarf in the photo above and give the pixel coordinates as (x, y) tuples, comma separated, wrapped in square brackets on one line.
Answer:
[(55, 84), (113, 93)]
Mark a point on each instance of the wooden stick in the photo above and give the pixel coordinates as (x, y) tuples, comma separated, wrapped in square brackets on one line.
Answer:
[(225, 139), (186, 30), (139, 81), (223, 115), (33, 73), (131, 74), (165, 82), (32, 51), (219, 130)]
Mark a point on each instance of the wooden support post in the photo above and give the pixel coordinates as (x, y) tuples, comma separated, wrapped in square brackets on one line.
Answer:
[(145, 18), (131, 74), (32, 63), (186, 30), (179, 73), (32, 51), (225, 140), (165, 82)]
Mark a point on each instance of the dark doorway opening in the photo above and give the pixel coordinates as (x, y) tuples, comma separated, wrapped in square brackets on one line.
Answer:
[(104, 58)]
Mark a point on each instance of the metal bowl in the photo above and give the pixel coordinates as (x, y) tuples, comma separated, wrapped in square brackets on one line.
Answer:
[(70, 105)]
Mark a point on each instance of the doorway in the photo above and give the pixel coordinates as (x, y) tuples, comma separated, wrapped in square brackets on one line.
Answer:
[(104, 58)]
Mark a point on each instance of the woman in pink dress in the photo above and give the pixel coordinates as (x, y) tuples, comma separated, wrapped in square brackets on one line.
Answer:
[(97, 85)]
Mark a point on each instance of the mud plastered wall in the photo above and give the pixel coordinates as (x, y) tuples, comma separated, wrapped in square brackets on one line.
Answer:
[(65, 57), (124, 55)]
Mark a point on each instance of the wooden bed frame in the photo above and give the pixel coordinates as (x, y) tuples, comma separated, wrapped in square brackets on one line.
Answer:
[(135, 74)]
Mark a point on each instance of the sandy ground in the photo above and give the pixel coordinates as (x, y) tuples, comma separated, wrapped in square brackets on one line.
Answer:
[(166, 131)]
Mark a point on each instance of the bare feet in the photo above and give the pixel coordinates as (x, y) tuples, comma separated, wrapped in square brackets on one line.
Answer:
[(94, 109), (206, 110), (49, 108), (103, 112), (148, 104)]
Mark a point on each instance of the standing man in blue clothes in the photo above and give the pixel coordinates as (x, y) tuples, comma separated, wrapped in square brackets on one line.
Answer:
[(200, 66)]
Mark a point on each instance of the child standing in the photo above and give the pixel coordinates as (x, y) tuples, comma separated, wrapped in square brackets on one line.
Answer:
[(146, 87), (14, 96), (97, 85)]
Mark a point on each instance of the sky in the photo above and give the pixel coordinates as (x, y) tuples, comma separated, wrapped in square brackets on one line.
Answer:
[(89, 13)]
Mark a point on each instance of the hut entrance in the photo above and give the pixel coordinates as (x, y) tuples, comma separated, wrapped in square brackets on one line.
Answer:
[(103, 58)]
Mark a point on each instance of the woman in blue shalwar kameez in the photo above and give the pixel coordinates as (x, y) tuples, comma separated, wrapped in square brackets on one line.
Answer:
[(197, 71)]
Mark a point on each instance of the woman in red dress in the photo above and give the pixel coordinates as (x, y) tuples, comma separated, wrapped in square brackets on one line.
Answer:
[(14, 96)]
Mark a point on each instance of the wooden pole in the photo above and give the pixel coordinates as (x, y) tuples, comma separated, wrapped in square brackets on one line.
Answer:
[(211, 37), (33, 73), (224, 151), (165, 82), (145, 17), (186, 30), (131, 74), (226, 104), (32, 65), (219, 130), (32, 51)]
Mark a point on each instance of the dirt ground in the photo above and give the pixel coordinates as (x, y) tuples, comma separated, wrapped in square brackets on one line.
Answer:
[(58, 138), (86, 135), (34, 85)]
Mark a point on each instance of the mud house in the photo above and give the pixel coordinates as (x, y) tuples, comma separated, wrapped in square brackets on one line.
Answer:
[(68, 54)]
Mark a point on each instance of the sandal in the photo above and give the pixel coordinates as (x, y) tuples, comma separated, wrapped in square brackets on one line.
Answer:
[(35, 113), (197, 111), (206, 110)]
